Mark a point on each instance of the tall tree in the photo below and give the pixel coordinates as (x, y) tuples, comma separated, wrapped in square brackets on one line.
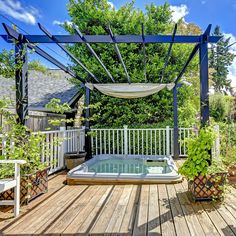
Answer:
[(220, 60), (93, 17)]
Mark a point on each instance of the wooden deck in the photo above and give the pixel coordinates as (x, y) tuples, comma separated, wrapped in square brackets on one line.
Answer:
[(120, 210)]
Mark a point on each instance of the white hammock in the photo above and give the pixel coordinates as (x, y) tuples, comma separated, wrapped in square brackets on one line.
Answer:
[(125, 90)]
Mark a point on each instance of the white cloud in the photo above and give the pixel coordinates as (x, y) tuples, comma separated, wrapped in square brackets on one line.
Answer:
[(111, 4), (232, 68), (179, 12), (15, 9), (61, 23)]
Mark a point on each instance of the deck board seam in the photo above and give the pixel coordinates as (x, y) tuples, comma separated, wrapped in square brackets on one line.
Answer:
[(63, 212), (99, 211)]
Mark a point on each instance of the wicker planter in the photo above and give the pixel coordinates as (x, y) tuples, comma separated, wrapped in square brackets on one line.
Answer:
[(208, 187), (32, 185), (73, 159)]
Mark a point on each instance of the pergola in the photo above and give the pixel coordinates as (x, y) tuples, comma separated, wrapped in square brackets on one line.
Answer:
[(21, 76)]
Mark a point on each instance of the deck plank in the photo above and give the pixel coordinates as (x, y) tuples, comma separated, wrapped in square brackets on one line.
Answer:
[(140, 226), (217, 220), (66, 219), (48, 212), (155, 209), (92, 210), (127, 224), (118, 214), (180, 223), (227, 216), (38, 210), (154, 221), (104, 217), (82, 221), (206, 223), (193, 223), (167, 223)]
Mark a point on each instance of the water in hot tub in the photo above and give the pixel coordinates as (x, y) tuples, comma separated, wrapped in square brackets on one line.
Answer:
[(130, 166)]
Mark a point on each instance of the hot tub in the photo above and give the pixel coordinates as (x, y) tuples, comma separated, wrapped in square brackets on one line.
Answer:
[(122, 169)]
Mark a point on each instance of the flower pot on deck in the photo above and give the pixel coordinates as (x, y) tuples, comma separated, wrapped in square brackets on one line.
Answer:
[(31, 186), (73, 159), (232, 174), (208, 187)]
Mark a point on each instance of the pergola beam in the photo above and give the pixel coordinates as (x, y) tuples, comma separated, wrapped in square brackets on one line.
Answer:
[(118, 39), (118, 53), (204, 80), (78, 32), (15, 35), (68, 52), (169, 51)]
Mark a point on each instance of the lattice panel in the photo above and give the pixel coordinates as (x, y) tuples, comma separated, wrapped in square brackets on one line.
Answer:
[(208, 187), (31, 187)]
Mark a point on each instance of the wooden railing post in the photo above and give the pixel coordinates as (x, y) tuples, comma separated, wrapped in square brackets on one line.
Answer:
[(126, 139)]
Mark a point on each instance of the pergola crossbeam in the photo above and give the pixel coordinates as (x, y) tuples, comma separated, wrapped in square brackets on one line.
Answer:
[(68, 52), (119, 39), (118, 52), (78, 32), (15, 35)]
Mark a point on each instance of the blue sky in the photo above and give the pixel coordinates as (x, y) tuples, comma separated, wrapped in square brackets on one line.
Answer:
[(26, 14)]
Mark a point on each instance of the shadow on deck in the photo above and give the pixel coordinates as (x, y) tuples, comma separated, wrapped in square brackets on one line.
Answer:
[(163, 209)]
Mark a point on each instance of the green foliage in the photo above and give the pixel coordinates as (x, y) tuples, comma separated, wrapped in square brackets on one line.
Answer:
[(220, 60), (93, 17), (199, 147), (219, 107), (20, 145), (8, 65), (228, 143), (55, 106), (37, 66)]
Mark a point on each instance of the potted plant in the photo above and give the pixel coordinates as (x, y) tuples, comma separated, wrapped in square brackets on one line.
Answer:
[(20, 143), (73, 159), (206, 179)]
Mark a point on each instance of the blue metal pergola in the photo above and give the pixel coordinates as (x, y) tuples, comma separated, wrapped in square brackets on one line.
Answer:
[(22, 41)]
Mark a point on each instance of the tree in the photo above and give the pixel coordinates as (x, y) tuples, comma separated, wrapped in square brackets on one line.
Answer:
[(93, 17), (220, 106), (8, 66), (220, 59)]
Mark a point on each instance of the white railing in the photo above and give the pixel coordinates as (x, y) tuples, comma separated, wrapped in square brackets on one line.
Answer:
[(149, 141), (57, 143)]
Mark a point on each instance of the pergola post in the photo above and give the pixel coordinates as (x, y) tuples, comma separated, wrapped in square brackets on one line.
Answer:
[(204, 84), (176, 126), (88, 147), (21, 79)]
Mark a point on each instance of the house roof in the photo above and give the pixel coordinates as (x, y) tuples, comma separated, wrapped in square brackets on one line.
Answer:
[(42, 88)]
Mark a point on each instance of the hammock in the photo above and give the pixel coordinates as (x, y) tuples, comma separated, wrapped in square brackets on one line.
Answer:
[(125, 90)]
